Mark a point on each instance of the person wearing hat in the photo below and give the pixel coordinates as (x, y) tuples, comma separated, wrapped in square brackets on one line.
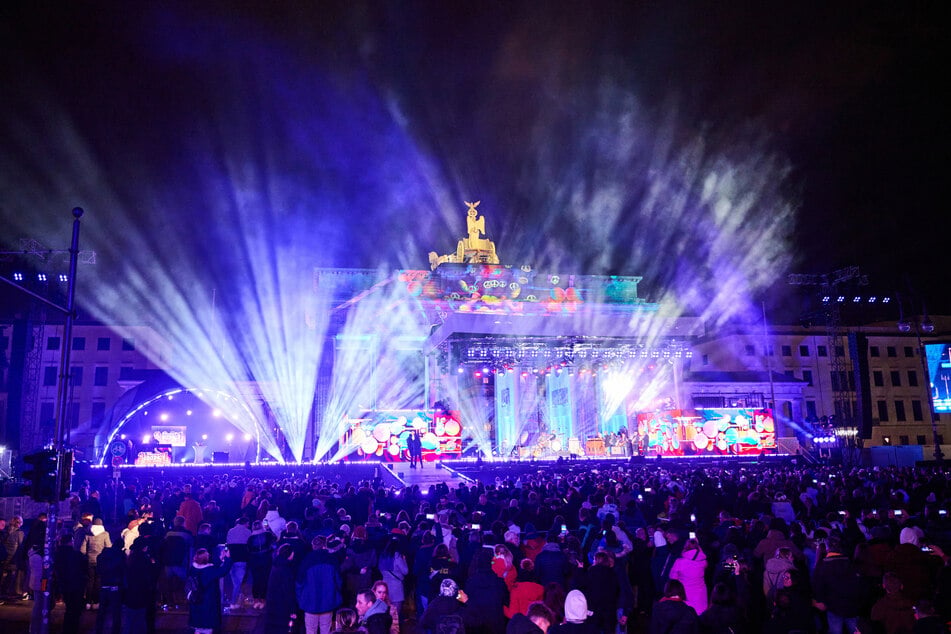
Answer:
[(448, 605), (576, 616)]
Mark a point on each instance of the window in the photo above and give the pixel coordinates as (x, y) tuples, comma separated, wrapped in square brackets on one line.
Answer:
[(807, 377), (104, 343), (909, 351), (822, 351), (98, 411), (790, 373), (920, 439), (76, 375), (125, 373), (52, 343), (79, 343), (912, 378), (882, 411), (878, 378), (73, 415), (750, 350), (916, 412), (705, 359), (102, 376), (939, 439), (49, 375), (770, 351), (128, 343), (811, 409), (896, 378), (891, 351), (47, 419), (839, 351), (873, 351), (900, 411), (834, 377), (903, 440), (4, 343), (803, 351), (787, 351)]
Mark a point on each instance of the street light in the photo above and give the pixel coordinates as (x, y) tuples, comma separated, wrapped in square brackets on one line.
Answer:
[(925, 325)]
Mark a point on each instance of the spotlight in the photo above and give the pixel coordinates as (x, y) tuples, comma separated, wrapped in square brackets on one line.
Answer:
[(163, 416), (145, 439), (63, 278), (460, 370), (216, 413), (229, 437), (204, 436), (188, 412), (826, 299), (840, 298), (856, 299), (122, 437), (18, 277), (247, 437), (41, 277)]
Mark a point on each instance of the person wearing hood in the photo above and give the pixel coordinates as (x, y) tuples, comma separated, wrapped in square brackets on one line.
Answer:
[(205, 614), (374, 613), (274, 522), (774, 571), (689, 569), (576, 616), (916, 569), (93, 544), (190, 509), (775, 538)]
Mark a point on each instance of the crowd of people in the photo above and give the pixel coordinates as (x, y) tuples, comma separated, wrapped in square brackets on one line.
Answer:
[(582, 547)]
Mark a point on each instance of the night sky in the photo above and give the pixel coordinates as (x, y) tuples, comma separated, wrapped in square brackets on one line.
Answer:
[(365, 126)]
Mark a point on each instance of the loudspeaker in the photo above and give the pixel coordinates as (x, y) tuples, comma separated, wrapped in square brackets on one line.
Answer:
[(219, 456)]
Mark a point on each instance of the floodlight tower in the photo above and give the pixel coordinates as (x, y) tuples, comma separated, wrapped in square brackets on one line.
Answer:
[(923, 325)]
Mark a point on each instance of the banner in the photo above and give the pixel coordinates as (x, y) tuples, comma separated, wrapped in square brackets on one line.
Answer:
[(559, 404), (506, 420)]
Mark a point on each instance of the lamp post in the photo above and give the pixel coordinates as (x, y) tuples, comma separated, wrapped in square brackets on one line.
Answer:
[(927, 326)]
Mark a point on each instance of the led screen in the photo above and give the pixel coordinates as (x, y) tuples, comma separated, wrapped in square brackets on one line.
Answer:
[(714, 431), (939, 375)]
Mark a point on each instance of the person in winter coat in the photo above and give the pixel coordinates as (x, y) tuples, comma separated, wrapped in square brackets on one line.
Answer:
[(838, 589), (69, 574), (525, 591), (600, 585), (724, 615), (281, 599), (190, 509), (138, 601), (894, 611), (319, 587), (374, 613), (450, 602), (487, 595), (359, 565), (671, 614), (792, 610), (551, 564), (775, 569), (205, 614), (260, 553), (394, 569), (689, 569), (93, 544), (111, 570)]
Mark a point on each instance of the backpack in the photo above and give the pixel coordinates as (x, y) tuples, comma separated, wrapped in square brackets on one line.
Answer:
[(194, 593)]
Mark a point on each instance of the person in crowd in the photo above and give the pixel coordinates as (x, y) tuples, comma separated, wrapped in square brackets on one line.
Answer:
[(895, 612), (111, 571), (281, 603), (394, 569), (382, 592), (190, 510), (724, 615), (525, 591), (204, 611), (916, 569), (14, 565), (487, 594), (448, 605), (537, 620), (175, 556), (927, 619), (791, 610), (93, 545), (359, 565), (690, 569), (555, 598), (69, 575), (838, 589), (346, 621), (600, 585), (775, 570), (551, 564), (671, 614), (34, 544), (237, 543), (138, 601), (576, 619), (319, 587), (504, 567), (260, 553), (374, 613)]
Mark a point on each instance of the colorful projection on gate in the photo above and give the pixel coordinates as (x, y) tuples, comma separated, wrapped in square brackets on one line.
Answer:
[(714, 431), (504, 289), (383, 434), (939, 375)]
